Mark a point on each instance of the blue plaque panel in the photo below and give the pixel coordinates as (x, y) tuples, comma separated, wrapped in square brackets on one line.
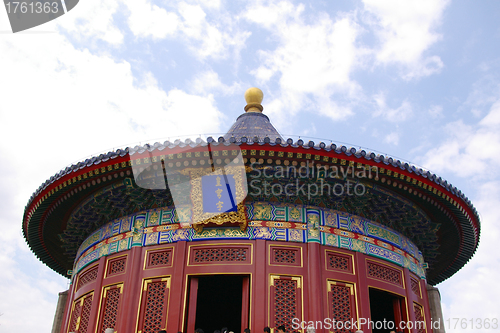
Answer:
[(219, 194)]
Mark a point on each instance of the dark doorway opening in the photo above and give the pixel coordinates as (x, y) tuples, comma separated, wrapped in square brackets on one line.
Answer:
[(219, 302), (385, 307)]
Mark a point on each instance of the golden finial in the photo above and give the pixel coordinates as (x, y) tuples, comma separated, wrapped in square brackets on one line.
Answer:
[(254, 97)]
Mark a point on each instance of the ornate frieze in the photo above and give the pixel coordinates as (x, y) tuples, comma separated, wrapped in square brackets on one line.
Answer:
[(276, 222)]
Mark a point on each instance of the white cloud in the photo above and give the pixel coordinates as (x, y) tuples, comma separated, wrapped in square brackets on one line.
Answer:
[(95, 20), (392, 138), (470, 150), (92, 19), (484, 92), (149, 20), (312, 58), (206, 28), (60, 94), (210, 81), (312, 62), (25, 290), (332, 109), (399, 114), (492, 119), (210, 40), (216, 35), (215, 4), (271, 14), (436, 111), (406, 30)]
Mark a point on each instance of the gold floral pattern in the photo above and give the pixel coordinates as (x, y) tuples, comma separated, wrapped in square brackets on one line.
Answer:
[(262, 212), (153, 218), (262, 232), (295, 214), (295, 235), (358, 246), (332, 240), (152, 238), (123, 245)]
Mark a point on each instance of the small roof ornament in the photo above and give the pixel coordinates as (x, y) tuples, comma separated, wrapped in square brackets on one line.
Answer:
[(254, 97)]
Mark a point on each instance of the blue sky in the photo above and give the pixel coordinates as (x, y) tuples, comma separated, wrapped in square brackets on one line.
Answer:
[(419, 80)]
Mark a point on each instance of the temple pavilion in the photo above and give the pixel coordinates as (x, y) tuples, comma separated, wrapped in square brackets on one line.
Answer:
[(247, 230)]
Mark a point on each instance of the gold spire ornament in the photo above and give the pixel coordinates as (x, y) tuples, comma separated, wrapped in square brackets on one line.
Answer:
[(254, 97)]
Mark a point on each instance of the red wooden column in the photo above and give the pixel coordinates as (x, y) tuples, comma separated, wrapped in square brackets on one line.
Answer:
[(363, 292), (193, 297), (177, 289), (97, 293), (131, 291), (316, 287), (411, 298), (259, 284), (245, 298)]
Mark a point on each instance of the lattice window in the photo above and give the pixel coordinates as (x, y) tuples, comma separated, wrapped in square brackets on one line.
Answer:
[(341, 304), (415, 286), (220, 254), (286, 302), (339, 263), (159, 258), (285, 256), (85, 316), (75, 315), (419, 318), (117, 266), (81, 314), (155, 306), (384, 273), (87, 277), (110, 307)]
